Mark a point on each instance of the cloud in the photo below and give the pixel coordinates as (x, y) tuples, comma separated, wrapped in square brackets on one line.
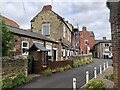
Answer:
[(94, 15)]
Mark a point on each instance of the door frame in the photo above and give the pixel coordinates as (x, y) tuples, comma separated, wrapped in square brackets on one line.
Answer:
[(56, 54)]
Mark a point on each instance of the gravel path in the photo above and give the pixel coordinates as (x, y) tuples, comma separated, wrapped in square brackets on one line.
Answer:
[(108, 71)]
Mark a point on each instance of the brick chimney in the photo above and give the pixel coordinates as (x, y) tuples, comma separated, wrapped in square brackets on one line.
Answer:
[(47, 8), (84, 28), (104, 38)]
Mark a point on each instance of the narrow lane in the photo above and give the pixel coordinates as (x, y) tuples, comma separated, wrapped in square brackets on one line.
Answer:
[(64, 79)]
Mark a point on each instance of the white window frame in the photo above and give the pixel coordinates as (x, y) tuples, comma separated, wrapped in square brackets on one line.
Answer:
[(48, 25), (85, 42), (25, 47)]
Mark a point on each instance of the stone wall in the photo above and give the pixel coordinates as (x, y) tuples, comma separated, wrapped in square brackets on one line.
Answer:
[(12, 66), (84, 57), (115, 31), (70, 61)]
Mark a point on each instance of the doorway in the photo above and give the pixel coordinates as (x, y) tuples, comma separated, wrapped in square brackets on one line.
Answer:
[(55, 54)]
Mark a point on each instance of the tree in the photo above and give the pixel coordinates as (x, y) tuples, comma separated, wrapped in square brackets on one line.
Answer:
[(7, 39)]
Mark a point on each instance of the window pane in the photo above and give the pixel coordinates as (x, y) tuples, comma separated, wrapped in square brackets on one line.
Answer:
[(46, 29), (24, 44)]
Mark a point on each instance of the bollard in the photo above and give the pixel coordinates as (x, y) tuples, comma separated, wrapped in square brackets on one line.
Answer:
[(104, 66), (74, 83), (87, 76), (107, 64), (100, 69), (95, 73)]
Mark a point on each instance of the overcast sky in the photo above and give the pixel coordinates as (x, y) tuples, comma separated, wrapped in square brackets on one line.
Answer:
[(94, 15)]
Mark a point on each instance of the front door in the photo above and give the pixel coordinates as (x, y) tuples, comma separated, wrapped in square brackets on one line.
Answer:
[(54, 53)]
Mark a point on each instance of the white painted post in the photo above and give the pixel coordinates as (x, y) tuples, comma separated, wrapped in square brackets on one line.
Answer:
[(100, 69), (87, 76), (74, 83), (107, 64), (104, 66), (95, 72)]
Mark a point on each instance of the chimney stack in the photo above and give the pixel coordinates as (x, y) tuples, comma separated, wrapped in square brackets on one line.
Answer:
[(104, 38), (84, 28), (47, 8)]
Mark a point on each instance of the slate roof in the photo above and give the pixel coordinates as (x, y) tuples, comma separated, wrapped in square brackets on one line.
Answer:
[(28, 33), (39, 47), (90, 32), (102, 41)]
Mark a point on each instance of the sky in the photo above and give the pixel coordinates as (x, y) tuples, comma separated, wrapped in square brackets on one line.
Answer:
[(94, 15)]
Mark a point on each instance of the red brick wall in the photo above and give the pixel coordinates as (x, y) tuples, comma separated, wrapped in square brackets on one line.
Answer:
[(10, 22), (84, 35)]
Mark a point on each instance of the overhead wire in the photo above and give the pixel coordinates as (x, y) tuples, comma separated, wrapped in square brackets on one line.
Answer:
[(25, 11)]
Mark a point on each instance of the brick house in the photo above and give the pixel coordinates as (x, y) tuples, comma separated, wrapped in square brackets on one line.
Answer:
[(53, 26), (103, 49), (76, 39), (8, 21), (86, 41), (25, 40)]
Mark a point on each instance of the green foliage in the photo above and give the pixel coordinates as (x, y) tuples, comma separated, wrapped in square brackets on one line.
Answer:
[(7, 83), (17, 81), (96, 85), (78, 63), (88, 61), (75, 64), (110, 77), (7, 39), (61, 69), (67, 67), (47, 72)]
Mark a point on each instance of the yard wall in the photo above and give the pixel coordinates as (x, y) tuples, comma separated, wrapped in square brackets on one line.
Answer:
[(70, 61), (83, 57), (12, 66), (55, 64)]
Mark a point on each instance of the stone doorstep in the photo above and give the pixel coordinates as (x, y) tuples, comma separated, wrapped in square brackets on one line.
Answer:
[(109, 84)]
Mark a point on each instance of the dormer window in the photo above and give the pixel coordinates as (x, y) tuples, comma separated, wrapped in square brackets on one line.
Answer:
[(46, 28)]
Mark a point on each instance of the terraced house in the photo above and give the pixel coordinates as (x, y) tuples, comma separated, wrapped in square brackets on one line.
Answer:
[(53, 26)]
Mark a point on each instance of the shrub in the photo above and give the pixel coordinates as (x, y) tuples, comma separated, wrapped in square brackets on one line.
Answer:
[(60, 69), (67, 67), (110, 77), (75, 64), (28, 78), (7, 83), (47, 72), (12, 82), (96, 85), (19, 80)]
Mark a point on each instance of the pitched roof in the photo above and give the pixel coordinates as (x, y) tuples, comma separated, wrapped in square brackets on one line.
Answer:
[(91, 33), (28, 33), (102, 41), (39, 46), (49, 7), (8, 21)]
